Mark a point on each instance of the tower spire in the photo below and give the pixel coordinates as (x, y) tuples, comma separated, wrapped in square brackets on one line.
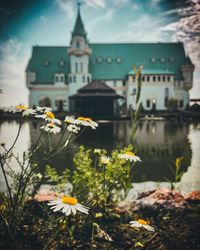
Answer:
[(79, 29)]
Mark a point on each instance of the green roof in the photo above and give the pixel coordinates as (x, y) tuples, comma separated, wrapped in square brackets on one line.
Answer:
[(110, 60), (151, 72)]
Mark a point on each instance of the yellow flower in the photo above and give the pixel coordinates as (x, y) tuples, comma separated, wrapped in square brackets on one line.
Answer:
[(67, 205), (24, 109), (179, 161), (142, 223), (129, 156), (52, 128), (98, 215), (49, 117), (85, 121)]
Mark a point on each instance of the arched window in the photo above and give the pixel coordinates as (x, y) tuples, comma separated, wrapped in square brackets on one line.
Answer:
[(77, 45), (45, 101), (56, 79)]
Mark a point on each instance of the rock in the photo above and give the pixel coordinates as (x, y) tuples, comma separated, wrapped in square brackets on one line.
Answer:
[(46, 196), (162, 198), (193, 197)]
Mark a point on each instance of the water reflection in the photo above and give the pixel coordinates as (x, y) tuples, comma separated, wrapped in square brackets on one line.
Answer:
[(158, 144)]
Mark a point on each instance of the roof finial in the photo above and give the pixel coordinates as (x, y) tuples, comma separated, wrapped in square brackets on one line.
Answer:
[(79, 5)]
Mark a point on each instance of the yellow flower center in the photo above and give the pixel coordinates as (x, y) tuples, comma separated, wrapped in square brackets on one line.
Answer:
[(22, 107), (143, 222), (130, 153), (85, 119), (69, 200), (51, 125), (50, 115)]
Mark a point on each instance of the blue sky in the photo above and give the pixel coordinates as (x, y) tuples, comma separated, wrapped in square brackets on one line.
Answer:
[(50, 22)]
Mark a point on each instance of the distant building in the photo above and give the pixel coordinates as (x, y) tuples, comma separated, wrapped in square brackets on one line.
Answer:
[(55, 74)]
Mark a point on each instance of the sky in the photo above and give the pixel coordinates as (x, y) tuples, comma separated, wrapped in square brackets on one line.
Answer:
[(24, 24)]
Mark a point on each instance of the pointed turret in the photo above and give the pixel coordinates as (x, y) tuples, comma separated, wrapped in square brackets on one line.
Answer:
[(79, 29), (79, 52)]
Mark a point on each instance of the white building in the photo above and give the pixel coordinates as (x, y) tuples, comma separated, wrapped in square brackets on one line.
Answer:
[(54, 74)]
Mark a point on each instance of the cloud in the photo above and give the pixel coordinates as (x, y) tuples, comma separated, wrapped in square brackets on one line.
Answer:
[(107, 17), (13, 60), (187, 29), (43, 19), (145, 28), (67, 6), (96, 3)]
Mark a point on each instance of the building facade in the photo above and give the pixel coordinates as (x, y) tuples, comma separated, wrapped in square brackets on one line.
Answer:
[(54, 74)]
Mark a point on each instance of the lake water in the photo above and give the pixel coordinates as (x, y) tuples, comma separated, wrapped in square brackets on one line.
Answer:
[(158, 145)]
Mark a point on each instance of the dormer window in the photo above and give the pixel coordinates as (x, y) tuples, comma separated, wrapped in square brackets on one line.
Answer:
[(171, 59), (162, 59), (109, 60), (118, 59), (46, 63), (61, 63), (59, 78), (153, 59), (99, 60)]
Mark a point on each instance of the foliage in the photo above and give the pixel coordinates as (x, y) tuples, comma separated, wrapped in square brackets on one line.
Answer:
[(172, 104), (90, 175)]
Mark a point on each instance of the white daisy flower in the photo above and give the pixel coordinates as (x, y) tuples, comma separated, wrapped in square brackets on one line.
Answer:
[(67, 205), (142, 223), (73, 128), (87, 122), (43, 109), (129, 156), (24, 109), (51, 127), (69, 119), (49, 117), (105, 159)]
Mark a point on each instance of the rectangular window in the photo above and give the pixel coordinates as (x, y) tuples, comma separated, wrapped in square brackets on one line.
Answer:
[(163, 78), (76, 67), (158, 78), (148, 78), (168, 78), (124, 83), (62, 79), (133, 78), (148, 103), (154, 78), (115, 84), (166, 101), (81, 67)]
